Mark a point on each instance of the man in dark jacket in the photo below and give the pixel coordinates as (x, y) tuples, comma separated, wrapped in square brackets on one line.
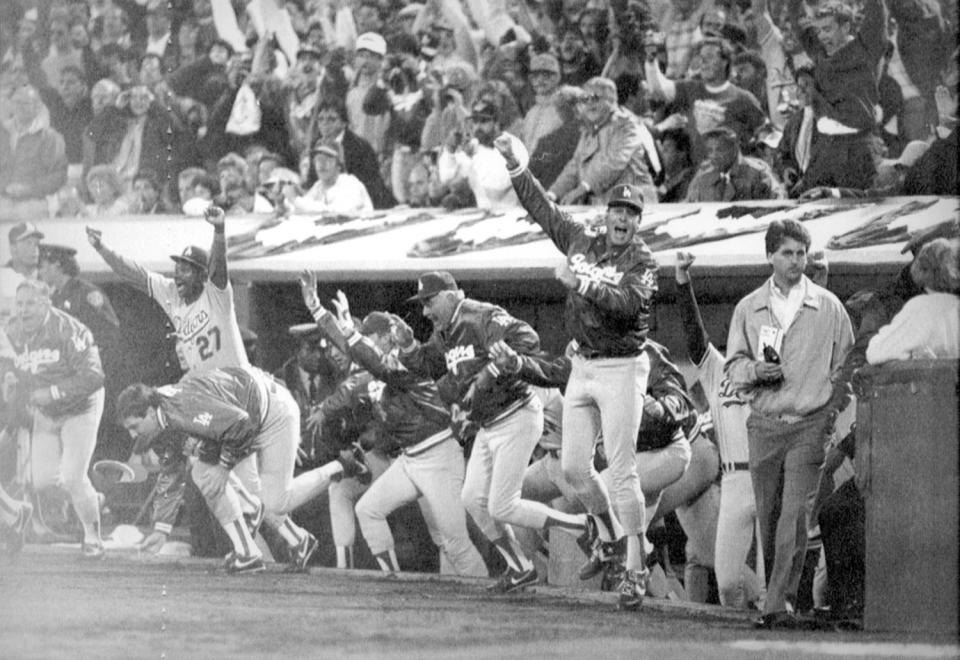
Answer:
[(430, 465), (359, 158), (508, 416), (611, 277)]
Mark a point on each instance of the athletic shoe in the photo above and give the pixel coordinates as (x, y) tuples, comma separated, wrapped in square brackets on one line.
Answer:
[(241, 565), (17, 534), (632, 589), (612, 576), (254, 520), (514, 580), (92, 550), (353, 465), (300, 554), (603, 553), (590, 536)]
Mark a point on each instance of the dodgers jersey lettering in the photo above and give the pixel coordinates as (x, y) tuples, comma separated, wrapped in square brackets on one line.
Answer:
[(208, 336)]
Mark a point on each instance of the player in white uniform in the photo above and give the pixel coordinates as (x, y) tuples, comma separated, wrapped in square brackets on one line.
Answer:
[(736, 524), (208, 337)]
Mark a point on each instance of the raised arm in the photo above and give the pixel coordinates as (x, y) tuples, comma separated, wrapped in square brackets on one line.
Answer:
[(128, 269), (218, 252), (693, 327)]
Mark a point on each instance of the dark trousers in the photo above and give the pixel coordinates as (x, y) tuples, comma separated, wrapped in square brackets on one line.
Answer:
[(785, 464), (842, 530), (841, 161)]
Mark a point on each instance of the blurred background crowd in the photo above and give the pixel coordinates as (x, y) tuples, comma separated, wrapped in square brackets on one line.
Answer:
[(114, 107)]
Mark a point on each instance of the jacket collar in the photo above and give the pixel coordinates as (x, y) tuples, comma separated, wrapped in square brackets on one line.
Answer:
[(812, 297)]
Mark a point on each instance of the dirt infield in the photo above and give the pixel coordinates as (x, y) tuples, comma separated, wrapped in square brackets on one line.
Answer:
[(53, 605)]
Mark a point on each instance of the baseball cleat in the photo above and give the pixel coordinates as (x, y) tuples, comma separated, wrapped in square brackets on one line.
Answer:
[(353, 465), (241, 565), (300, 554), (254, 520), (92, 550), (632, 589), (17, 535), (514, 581), (603, 554)]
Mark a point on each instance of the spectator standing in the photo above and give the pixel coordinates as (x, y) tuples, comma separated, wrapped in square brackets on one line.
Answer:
[(577, 64), (70, 111), (611, 279), (371, 49), (609, 154), (477, 161), (678, 169), (787, 344), (33, 161), (728, 176), (711, 101), (846, 93), (543, 117), (62, 52), (556, 148), (681, 25), (359, 158)]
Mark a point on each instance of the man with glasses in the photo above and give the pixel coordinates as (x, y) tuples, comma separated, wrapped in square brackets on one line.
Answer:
[(610, 153), (359, 158)]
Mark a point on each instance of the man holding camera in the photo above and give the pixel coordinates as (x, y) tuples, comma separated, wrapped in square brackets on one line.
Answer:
[(787, 345)]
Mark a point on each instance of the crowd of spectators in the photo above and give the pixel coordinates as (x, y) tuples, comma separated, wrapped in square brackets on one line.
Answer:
[(115, 107)]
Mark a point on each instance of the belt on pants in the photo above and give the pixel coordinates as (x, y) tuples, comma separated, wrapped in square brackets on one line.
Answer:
[(427, 443), (734, 467)]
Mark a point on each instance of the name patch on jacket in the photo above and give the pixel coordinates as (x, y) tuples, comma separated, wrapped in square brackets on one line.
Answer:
[(458, 354), (31, 361), (594, 273)]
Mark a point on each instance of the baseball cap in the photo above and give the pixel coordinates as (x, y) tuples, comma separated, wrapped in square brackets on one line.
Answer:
[(327, 149), (282, 175), (834, 8), (721, 131), (432, 283), (410, 10), (544, 62), (24, 230), (376, 322), (193, 255), (483, 111), (626, 195), (372, 42), (51, 252), (307, 332), (309, 51)]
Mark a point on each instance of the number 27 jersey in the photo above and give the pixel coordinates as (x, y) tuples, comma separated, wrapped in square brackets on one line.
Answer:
[(208, 336)]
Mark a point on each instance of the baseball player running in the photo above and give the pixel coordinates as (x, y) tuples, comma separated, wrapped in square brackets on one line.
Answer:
[(430, 466), (59, 379), (611, 277), (509, 416), (198, 300), (236, 413)]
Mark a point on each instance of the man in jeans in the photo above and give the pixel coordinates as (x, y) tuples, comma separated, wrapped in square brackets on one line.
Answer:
[(787, 344)]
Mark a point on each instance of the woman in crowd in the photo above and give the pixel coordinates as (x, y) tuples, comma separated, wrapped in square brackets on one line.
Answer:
[(928, 326)]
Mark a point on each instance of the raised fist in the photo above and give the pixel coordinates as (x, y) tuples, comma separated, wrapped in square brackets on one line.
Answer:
[(214, 215), (94, 236)]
